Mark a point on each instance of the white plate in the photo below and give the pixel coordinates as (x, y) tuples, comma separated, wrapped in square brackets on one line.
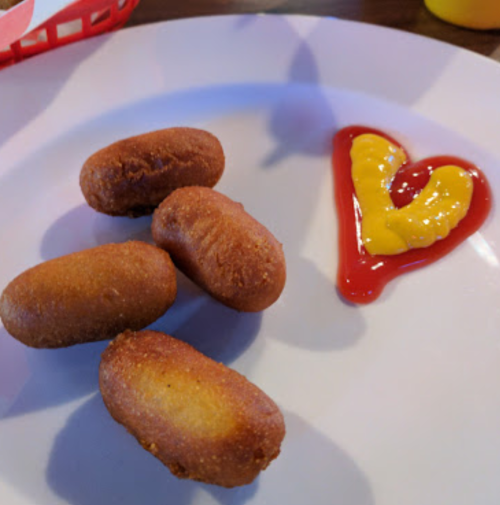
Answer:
[(394, 403)]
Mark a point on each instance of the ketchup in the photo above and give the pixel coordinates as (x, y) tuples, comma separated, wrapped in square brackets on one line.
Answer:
[(361, 277)]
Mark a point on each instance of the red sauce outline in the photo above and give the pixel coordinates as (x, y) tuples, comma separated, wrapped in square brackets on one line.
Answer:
[(361, 277)]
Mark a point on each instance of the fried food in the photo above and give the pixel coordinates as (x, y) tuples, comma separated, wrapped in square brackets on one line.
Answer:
[(221, 248), (133, 176), (90, 295), (201, 419)]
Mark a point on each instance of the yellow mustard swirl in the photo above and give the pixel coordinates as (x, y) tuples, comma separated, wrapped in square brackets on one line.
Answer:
[(431, 215)]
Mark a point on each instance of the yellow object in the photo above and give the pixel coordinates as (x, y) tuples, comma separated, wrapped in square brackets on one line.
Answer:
[(431, 216), (477, 14)]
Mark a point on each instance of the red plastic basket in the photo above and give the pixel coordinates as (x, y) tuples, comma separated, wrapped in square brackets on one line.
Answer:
[(80, 20)]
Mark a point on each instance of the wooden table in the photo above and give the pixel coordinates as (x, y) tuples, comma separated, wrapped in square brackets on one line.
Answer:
[(409, 15)]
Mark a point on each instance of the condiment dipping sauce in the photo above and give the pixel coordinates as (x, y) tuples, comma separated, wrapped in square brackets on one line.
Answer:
[(394, 215)]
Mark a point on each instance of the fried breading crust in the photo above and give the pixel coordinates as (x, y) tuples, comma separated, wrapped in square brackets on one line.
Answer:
[(221, 248), (203, 420), (90, 295), (132, 176)]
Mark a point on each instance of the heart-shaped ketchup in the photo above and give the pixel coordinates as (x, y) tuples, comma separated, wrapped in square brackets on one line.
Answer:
[(361, 277)]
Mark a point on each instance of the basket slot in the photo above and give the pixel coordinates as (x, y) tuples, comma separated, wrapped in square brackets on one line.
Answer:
[(40, 35), (34, 38), (69, 28), (27, 42), (100, 16)]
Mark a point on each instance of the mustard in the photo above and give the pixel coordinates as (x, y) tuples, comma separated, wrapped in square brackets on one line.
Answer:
[(386, 230)]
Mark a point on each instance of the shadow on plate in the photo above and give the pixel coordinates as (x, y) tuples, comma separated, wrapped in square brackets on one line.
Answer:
[(94, 461), (217, 331), (82, 227), (302, 121), (317, 319), (36, 379), (313, 469)]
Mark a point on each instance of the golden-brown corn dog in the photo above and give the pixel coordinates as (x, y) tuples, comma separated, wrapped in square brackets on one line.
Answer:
[(132, 176), (221, 248), (90, 295), (203, 420)]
